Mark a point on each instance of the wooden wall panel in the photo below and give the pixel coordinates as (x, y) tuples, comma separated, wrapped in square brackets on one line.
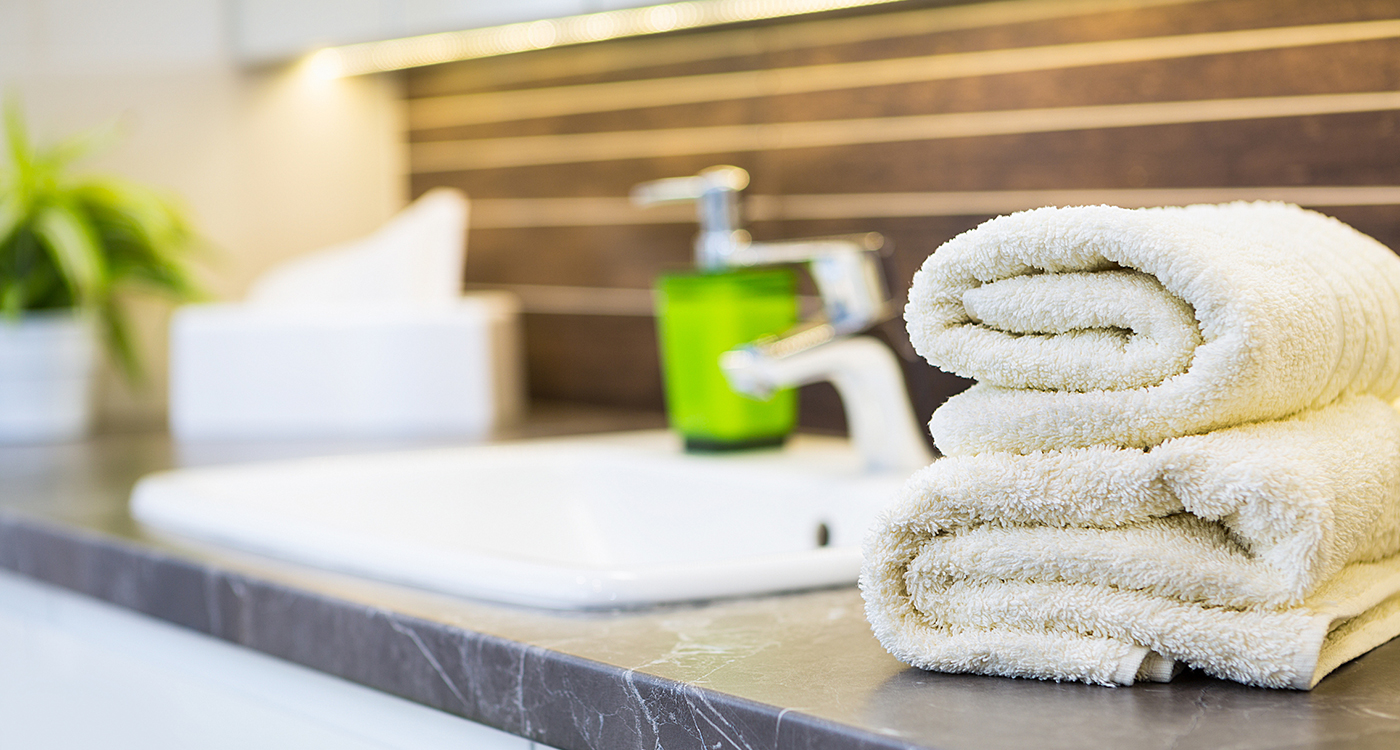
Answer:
[(601, 359), (917, 120), (1367, 65)]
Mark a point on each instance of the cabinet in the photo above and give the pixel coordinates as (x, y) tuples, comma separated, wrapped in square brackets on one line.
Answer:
[(279, 30)]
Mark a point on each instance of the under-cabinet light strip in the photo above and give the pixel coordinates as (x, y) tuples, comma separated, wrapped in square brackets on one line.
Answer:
[(431, 49), (807, 34)]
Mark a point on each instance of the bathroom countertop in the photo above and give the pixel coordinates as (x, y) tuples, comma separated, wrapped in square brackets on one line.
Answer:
[(789, 671)]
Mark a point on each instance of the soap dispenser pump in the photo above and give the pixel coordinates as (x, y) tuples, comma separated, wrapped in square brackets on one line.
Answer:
[(730, 351), (702, 314)]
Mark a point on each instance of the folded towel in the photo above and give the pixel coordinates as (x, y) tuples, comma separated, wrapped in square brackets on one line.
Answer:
[(1235, 552), (1101, 325), (1181, 450)]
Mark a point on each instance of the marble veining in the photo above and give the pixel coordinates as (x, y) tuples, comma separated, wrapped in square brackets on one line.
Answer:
[(793, 672), (403, 629)]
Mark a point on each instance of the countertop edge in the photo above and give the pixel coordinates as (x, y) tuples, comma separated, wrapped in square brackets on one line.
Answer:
[(546, 696)]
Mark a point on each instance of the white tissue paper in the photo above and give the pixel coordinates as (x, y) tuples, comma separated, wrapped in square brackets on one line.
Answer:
[(372, 338), (415, 259)]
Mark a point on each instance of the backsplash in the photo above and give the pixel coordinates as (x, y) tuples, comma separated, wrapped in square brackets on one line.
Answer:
[(918, 121)]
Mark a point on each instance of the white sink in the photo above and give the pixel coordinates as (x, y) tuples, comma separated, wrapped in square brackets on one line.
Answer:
[(601, 521)]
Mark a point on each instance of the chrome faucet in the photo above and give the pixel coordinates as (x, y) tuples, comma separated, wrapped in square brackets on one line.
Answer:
[(847, 273)]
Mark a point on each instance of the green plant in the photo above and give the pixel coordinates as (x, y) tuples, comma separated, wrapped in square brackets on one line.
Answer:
[(79, 242)]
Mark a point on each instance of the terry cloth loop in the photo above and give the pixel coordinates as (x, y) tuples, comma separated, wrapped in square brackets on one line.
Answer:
[(1181, 450), (1291, 310)]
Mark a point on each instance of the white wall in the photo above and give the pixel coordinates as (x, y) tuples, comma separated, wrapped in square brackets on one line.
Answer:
[(270, 163)]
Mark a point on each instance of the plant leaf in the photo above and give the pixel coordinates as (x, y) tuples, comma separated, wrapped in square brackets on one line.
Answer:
[(11, 216), (68, 242), (11, 298), (72, 244), (146, 237), (117, 334)]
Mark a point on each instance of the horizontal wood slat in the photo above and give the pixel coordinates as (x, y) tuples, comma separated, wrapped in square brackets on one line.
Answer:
[(521, 213), (790, 35), (461, 109), (917, 122), (496, 153)]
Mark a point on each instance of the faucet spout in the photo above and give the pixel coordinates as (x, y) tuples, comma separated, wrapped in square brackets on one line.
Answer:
[(847, 273), (845, 269), (868, 378)]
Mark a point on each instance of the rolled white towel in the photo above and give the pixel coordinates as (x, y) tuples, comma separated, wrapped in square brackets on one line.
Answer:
[(1264, 553), (1181, 450), (1098, 325)]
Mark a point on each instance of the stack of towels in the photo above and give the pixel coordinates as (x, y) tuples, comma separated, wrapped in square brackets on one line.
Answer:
[(1180, 451)]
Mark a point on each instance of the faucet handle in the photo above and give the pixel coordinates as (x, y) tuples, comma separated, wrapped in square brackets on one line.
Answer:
[(674, 189)]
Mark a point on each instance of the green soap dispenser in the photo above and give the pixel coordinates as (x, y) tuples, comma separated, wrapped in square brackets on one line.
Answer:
[(700, 316)]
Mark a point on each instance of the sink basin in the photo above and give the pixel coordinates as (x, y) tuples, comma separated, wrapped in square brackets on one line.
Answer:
[(601, 521)]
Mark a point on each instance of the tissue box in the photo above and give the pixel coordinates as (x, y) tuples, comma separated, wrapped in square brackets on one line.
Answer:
[(241, 371)]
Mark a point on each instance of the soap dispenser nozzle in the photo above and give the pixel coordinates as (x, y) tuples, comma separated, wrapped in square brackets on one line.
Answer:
[(854, 297), (846, 268), (716, 194)]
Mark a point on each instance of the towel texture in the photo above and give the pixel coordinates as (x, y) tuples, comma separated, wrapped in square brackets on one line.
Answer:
[(1101, 325), (1180, 450)]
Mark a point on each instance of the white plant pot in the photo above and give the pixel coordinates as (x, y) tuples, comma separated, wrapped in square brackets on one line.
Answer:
[(47, 361)]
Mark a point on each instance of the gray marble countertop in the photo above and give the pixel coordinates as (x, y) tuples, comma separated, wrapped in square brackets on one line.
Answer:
[(790, 671)]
